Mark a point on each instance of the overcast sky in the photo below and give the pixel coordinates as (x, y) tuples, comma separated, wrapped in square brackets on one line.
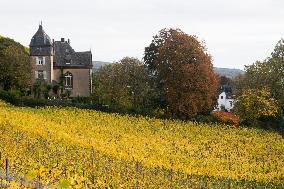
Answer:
[(236, 33)]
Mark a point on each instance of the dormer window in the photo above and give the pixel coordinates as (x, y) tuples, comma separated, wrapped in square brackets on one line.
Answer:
[(68, 59)]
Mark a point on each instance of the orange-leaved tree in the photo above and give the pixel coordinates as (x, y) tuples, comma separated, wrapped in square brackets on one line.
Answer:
[(182, 71)]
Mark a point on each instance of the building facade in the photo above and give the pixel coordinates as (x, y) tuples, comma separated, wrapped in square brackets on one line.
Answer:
[(58, 64), (225, 102)]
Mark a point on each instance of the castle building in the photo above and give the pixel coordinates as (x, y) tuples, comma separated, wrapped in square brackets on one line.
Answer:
[(57, 63)]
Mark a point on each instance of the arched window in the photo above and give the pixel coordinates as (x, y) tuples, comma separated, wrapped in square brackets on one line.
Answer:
[(68, 80)]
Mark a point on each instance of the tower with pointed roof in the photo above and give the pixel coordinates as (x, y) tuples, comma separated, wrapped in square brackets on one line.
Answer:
[(41, 53)]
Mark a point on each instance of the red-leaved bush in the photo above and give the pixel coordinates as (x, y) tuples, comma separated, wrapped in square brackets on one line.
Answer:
[(227, 118)]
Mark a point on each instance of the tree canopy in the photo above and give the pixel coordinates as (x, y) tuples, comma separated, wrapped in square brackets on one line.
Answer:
[(253, 105), (124, 83), (15, 65), (183, 73), (266, 74)]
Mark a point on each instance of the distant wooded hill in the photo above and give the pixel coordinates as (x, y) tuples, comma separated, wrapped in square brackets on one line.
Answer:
[(98, 64), (228, 72)]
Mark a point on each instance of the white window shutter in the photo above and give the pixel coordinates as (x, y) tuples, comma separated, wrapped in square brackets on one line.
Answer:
[(43, 61), (37, 63), (36, 74), (44, 75)]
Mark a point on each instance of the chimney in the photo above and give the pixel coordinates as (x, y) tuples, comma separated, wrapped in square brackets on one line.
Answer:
[(68, 41), (52, 41), (62, 40)]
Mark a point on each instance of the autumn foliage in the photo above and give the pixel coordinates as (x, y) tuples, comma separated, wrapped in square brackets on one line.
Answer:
[(226, 118), (183, 72), (255, 104), (260, 90), (64, 148)]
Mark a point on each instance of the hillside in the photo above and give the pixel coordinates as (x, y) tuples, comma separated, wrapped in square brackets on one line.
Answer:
[(231, 73), (64, 147), (228, 72), (98, 64)]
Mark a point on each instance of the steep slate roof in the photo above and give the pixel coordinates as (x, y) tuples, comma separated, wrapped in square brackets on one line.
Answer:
[(65, 54), (40, 44)]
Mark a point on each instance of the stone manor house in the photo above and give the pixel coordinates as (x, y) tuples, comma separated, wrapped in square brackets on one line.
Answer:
[(57, 63)]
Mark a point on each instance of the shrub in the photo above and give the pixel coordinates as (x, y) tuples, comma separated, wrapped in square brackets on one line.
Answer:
[(11, 96), (79, 99), (226, 118), (205, 119)]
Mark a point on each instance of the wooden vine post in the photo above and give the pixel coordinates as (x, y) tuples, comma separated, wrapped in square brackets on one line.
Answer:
[(7, 170)]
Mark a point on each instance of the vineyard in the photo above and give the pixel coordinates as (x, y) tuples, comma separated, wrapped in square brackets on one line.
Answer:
[(74, 148)]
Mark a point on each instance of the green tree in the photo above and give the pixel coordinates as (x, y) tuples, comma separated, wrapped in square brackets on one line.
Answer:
[(266, 74), (182, 71), (124, 83), (15, 65), (254, 104)]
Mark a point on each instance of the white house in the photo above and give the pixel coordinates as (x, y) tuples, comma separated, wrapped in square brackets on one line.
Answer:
[(225, 102)]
